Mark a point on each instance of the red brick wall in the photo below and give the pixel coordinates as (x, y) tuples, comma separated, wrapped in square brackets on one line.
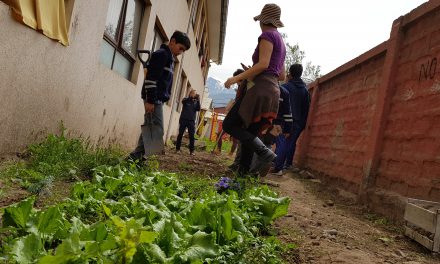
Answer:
[(342, 121), (375, 121), (410, 158)]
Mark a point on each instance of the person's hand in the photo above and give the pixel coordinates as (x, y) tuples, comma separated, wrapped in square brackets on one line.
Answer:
[(149, 108), (230, 82), (197, 96), (245, 67), (286, 135), (276, 130)]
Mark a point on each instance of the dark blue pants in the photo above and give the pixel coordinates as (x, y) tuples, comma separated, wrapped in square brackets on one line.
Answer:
[(183, 125), (286, 148)]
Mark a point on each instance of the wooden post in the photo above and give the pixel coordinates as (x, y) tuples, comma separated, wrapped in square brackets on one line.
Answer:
[(383, 104), (212, 136)]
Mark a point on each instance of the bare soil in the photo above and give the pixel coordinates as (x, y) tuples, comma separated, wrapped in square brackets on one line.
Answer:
[(330, 227), (203, 163)]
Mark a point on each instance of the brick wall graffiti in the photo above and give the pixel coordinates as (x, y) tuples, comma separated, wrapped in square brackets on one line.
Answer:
[(375, 121), (428, 70)]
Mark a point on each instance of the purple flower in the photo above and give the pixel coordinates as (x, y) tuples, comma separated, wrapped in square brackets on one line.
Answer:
[(226, 183)]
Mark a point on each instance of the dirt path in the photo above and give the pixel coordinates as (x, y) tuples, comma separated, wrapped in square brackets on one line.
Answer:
[(332, 229)]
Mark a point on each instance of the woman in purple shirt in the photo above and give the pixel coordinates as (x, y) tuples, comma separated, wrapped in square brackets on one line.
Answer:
[(257, 106)]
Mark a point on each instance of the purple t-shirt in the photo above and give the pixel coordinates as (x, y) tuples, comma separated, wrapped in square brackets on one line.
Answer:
[(278, 52)]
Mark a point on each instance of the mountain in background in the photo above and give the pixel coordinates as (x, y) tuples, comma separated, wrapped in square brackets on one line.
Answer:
[(219, 94)]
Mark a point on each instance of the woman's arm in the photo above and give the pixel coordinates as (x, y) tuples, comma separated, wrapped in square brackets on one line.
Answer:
[(266, 48), (282, 74)]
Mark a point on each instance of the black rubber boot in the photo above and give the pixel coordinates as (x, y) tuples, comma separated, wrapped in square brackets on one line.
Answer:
[(264, 153)]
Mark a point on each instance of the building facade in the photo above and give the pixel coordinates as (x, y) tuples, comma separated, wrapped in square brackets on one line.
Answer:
[(93, 85)]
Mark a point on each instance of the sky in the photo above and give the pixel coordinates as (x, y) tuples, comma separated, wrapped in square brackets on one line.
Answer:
[(330, 32)]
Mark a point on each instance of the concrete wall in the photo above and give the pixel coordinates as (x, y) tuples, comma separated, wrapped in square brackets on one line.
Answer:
[(43, 82), (374, 122)]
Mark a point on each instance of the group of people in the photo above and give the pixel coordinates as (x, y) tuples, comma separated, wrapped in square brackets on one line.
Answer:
[(264, 113)]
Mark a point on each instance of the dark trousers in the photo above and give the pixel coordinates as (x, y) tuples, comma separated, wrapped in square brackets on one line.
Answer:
[(286, 148), (234, 126), (183, 125)]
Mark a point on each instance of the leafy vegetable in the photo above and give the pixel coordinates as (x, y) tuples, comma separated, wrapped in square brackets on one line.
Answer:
[(127, 214), (17, 215)]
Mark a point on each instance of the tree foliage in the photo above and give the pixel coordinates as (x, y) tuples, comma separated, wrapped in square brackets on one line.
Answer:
[(294, 55)]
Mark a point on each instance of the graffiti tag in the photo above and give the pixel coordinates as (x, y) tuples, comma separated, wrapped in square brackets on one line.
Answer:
[(428, 70)]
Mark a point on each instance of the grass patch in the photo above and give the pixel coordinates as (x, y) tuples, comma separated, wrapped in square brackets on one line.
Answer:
[(226, 145), (383, 222), (58, 157), (195, 186), (184, 166)]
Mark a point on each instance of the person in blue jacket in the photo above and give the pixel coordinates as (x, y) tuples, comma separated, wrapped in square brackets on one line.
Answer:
[(156, 89), (299, 103), (187, 120)]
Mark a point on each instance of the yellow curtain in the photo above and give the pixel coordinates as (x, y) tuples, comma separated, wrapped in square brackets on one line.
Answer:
[(47, 16)]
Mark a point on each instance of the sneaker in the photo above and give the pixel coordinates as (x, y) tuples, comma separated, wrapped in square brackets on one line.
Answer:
[(276, 172), (292, 169)]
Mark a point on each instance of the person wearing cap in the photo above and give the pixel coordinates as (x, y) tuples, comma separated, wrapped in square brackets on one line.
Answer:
[(258, 106)]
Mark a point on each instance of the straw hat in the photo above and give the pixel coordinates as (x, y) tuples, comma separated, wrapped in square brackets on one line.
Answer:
[(270, 14)]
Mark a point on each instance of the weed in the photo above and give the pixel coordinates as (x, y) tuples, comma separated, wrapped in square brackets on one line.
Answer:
[(184, 166), (226, 145), (195, 186), (260, 250), (383, 222), (43, 186), (58, 157)]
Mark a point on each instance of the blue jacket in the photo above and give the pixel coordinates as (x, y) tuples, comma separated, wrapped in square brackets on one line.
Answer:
[(284, 116), (157, 85), (299, 101), (190, 107)]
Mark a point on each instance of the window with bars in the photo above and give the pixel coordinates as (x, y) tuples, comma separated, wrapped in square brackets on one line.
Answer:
[(121, 34)]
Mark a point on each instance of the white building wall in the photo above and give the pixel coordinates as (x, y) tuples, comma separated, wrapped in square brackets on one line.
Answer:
[(43, 83)]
